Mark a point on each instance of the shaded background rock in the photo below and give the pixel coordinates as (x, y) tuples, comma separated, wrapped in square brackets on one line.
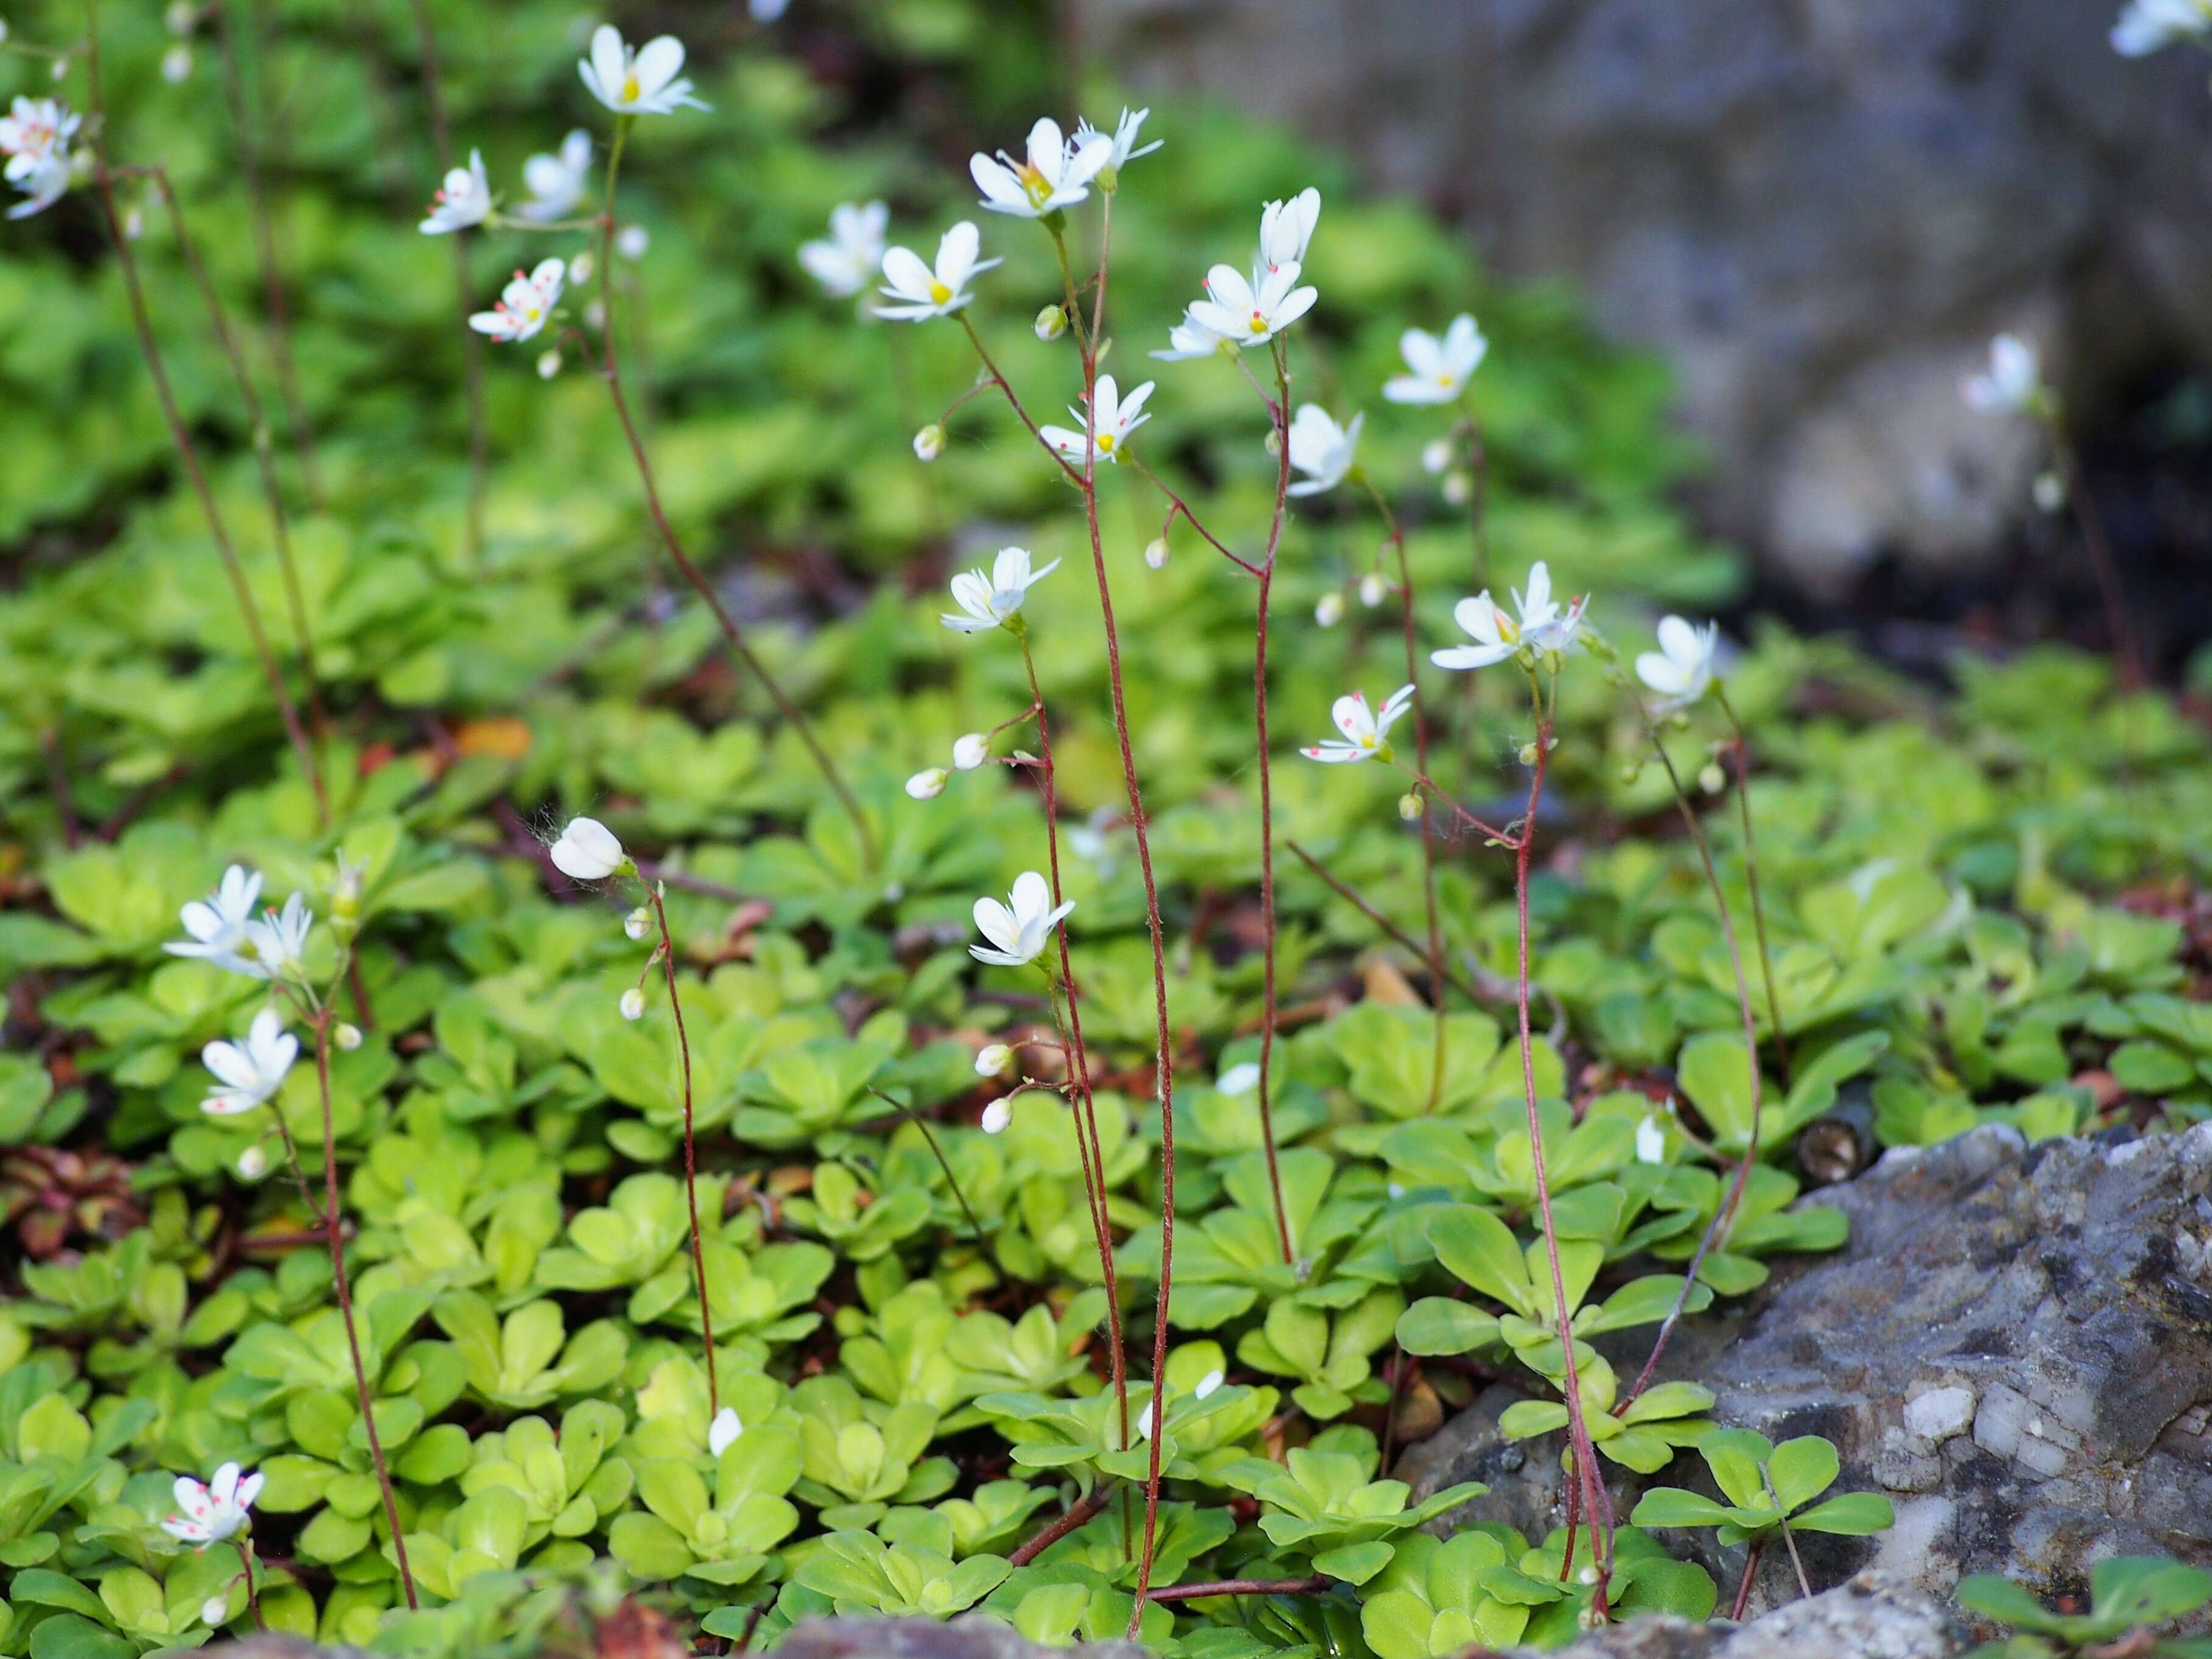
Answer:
[(1873, 1616), (2015, 1345), (1818, 210)]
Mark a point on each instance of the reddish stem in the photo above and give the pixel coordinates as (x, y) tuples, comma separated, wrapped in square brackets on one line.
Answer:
[(690, 1150), (1314, 1586), (1281, 418), (1081, 1510), (434, 91), (1743, 1585)]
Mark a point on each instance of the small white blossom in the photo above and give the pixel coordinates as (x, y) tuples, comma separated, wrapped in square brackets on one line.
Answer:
[(463, 200), (1018, 929), (991, 602), (993, 1059), (35, 136), (1682, 669), (1329, 610), (556, 182), (923, 292), (1207, 1384), (1436, 456), (524, 304), (548, 362), (640, 80), (1123, 143), (248, 1074), (1238, 1079), (2012, 384), (278, 940), (1053, 174), (2145, 26), (969, 750), (218, 1511), (632, 1004), (722, 1433), (1252, 312), (1322, 449), (221, 922), (632, 240), (928, 785), (929, 442), (1542, 625), (580, 267), (1437, 368), (1458, 489), (1191, 339), (177, 65), (587, 851), (847, 260), (1366, 731), (1650, 1142), (1286, 228), (1114, 418)]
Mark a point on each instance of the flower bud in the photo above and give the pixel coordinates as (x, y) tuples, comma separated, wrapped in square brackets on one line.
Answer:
[(252, 1164), (1712, 779), (595, 315), (638, 923), (632, 1004), (549, 363), (996, 1116), (1274, 443), (177, 65), (345, 891), (928, 785), (632, 240), (1409, 807), (1436, 456), (1459, 489), (1330, 611), (345, 1036), (215, 1610), (134, 223), (1528, 754), (1372, 590), (971, 752), (1587, 1576), (2050, 491), (580, 269), (4, 30), (929, 442), (1156, 552), (993, 1059), (1051, 323), (181, 16), (61, 68)]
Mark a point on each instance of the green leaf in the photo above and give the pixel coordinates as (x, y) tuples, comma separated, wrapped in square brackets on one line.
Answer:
[(1854, 1514), (1670, 1506)]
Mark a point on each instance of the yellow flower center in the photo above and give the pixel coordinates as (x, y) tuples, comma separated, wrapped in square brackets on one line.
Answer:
[(938, 293), (1369, 740), (1105, 443), (630, 89), (1259, 324), (1033, 183), (1508, 630), (1444, 379)]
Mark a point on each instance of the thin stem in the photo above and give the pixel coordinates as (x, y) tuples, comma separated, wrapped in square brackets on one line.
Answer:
[(1279, 415), (1081, 1510), (1751, 873), (691, 1152), (253, 1594), (1743, 1584), (1435, 966), (1804, 1584), (951, 1179), (1178, 506), (179, 435), (1585, 1458), (339, 1277), (250, 162), (264, 459), (1419, 713), (1000, 381), (611, 373), (1424, 780), (434, 91), (1313, 1586), (2102, 560)]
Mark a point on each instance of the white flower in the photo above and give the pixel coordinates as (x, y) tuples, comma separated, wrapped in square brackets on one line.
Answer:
[(248, 1074), (1055, 174), (1123, 147), (970, 751), (1366, 731), (722, 1433), (1238, 1079), (35, 136), (1114, 418), (632, 1004), (557, 182), (1329, 610), (990, 603), (1018, 928), (2013, 381), (632, 240), (463, 200), (278, 941), (1542, 626), (2144, 25), (1252, 312), (220, 923), (1322, 449), (1650, 1142), (1207, 1384), (524, 304), (587, 851), (253, 1163), (993, 1059), (640, 80), (922, 292), (1438, 368), (928, 785), (999, 1114), (847, 259), (1286, 228), (1191, 339), (929, 443), (1682, 667), (208, 1513)]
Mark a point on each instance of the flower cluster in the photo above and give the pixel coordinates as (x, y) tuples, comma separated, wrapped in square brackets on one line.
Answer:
[(224, 930), (34, 136)]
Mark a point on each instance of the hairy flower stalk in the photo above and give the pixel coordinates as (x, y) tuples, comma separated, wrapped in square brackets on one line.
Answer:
[(611, 372), (690, 1146), (434, 91), (179, 435)]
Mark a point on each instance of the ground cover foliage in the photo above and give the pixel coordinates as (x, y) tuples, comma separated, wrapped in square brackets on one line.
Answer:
[(1978, 901)]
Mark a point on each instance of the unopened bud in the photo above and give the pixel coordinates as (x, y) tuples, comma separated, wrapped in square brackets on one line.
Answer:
[(1409, 807), (970, 751), (595, 316), (134, 224), (632, 1004), (1459, 489), (2050, 491), (929, 442), (215, 1610), (1373, 590), (928, 785), (993, 1059), (252, 1164), (1051, 322), (1330, 611), (549, 363), (177, 65), (1712, 779), (581, 268), (61, 68), (4, 29), (638, 923), (632, 240), (181, 16), (346, 1036), (1274, 442), (1156, 552), (1436, 456), (1528, 754)]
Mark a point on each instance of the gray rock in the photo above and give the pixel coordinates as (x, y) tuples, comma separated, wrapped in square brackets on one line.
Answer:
[(1818, 209), (1875, 1616)]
